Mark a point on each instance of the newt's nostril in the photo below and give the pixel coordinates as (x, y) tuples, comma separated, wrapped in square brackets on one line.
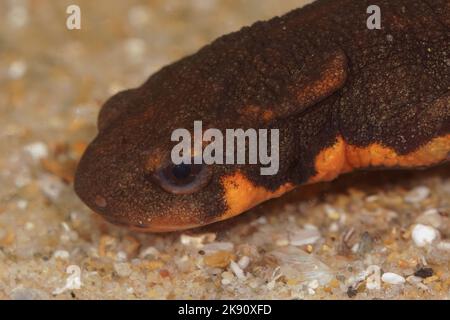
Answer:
[(100, 201)]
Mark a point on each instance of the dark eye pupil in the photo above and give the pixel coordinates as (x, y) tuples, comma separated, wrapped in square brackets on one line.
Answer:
[(182, 178), (181, 171), (181, 174)]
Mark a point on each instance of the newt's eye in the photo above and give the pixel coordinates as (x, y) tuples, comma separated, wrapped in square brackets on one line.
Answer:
[(183, 178)]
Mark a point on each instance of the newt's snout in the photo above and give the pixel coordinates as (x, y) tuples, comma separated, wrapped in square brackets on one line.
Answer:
[(128, 178)]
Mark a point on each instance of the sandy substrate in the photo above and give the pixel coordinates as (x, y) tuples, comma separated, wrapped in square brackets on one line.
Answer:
[(367, 235)]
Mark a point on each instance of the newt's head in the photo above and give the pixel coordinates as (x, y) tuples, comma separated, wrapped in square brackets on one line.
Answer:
[(126, 173)]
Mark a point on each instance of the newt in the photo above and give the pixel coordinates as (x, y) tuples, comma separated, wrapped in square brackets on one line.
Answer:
[(344, 97)]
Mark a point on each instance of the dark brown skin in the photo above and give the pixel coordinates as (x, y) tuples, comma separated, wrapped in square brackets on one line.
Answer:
[(344, 98)]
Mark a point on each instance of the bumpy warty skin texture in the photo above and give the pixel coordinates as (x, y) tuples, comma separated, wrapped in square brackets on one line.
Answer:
[(316, 74)]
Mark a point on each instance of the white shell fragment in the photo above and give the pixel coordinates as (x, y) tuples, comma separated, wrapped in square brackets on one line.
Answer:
[(238, 272), (392, 278), (297, 264), (218, 246), (37, 150), (423, 235), (61, 254), (244, 262), (198, 240)]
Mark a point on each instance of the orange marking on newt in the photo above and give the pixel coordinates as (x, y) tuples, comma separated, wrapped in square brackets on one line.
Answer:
[(255, 112), (241, 194), (331, 162), (342, 157), (375, 155), (328, 81)]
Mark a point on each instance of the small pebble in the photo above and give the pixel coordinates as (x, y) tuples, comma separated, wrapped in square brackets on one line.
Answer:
[(121, 256), (227, 277), (417, 194), (22, 180), (304, 237), (331, 212), (424, 272), (218, 246), (138, 16), (351, 292), (443, 245), (392, 278), (37, 150), (220, 259), (29, 226), (122, 268), (423, 235), (373, 283), (17, 69), (372, 198), (430, 279), (51, 186), (430, 217), (22, 204), (334, 227), (197, 241), (314, 284), (261, 220), (244, 262), (417, 282), (355, 248), (414, 279), (135, 49), (282, 242), (149, 252), (61, 254), (365, 244), (238, 272)]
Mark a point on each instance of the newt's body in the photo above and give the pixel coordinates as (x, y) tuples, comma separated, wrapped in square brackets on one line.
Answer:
[(343, 97)]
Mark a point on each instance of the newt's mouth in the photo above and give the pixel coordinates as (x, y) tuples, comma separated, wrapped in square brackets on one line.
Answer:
[(156, 225)]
